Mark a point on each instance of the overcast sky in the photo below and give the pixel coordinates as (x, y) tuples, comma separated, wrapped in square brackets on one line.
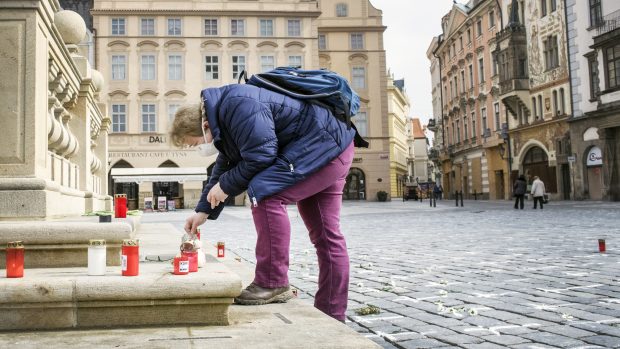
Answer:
[(411, 25)]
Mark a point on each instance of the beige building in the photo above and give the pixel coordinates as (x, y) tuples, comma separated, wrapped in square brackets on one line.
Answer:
[(398, 109), (158, 55), (418, 161)]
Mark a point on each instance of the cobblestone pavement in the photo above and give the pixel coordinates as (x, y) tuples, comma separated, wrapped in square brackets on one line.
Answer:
[(482, 276)]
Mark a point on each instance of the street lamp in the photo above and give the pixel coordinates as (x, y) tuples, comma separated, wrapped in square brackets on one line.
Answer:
[(502, 151)]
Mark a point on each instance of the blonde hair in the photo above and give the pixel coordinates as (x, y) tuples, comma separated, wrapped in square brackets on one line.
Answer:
[(187, 122)]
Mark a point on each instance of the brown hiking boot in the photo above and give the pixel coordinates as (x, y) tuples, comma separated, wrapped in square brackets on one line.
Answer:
[(256, 295)]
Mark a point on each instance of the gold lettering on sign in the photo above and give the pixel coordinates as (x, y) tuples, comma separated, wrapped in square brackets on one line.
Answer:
[(357, 160), (150, 154)]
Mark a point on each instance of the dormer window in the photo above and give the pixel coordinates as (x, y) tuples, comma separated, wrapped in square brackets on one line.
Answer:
[(341, 10)]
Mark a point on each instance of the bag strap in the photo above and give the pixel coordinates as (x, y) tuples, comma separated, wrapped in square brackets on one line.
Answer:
[(243, 75)]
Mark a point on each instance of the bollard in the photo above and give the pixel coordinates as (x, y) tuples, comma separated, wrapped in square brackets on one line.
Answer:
[(475, 195), (456, 195), (461, 198), (430, 202), (434, 201)]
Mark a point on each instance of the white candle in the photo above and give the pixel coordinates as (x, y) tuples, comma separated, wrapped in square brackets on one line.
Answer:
[(96, 257)]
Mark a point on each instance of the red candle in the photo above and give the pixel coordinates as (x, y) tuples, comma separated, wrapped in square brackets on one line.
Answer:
[(192, 256), (198, 233), (130, 260), (181, 265), (15, 259), (601, 245), (120, 206), (220, 249)]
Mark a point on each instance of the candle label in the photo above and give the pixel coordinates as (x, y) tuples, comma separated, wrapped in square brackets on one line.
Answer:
[(123, 262), (184, 266)]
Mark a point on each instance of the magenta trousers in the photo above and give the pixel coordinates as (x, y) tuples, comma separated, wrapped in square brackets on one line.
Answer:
[(318, 198)]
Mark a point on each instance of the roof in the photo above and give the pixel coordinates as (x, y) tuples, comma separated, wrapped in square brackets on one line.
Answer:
[(416, 129)]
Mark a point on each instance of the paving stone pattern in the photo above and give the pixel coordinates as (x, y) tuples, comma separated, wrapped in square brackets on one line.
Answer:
[(481, 276)]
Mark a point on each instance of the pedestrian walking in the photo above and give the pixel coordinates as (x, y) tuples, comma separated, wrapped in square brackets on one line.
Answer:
[(538, 192), (519, 188), (281, 150)]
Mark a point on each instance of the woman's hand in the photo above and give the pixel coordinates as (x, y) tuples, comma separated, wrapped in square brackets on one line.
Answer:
[(216, 195), (194, 221)]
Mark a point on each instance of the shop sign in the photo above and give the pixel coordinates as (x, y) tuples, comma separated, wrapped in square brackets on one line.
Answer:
[(150, 154), (157, 139), (595, 157)]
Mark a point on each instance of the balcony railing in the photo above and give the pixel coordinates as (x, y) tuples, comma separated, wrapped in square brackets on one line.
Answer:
[(608, 23)]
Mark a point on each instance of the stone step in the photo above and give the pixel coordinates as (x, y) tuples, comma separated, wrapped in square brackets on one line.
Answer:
[(62, 244), (66, 298)]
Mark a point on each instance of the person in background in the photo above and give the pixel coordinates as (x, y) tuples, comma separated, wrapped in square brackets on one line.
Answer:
[(538, 191), (281, 151), (519, 188)]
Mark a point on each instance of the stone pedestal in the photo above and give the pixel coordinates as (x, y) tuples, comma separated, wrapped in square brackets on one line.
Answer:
[(69, 298)]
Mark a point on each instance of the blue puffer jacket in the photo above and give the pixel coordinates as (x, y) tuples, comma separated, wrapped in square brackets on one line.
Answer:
[(267, 141)]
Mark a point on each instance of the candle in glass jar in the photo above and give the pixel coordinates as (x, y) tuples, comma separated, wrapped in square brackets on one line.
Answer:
[(96, 257), (220, 249), (130, 260), (15, 259)]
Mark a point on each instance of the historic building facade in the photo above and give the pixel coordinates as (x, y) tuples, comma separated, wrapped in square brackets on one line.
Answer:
[(157, 58), (594, 52), (435, 124), (418, 165), (350, 42), (472, 158), (531, 54)]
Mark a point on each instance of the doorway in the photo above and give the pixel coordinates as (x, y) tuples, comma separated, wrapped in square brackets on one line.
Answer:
[(499, 185), (355, 187), (595, 182), (566, 189)]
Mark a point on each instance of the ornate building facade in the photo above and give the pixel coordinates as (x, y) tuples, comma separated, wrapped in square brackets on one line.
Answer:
[(594, 52)]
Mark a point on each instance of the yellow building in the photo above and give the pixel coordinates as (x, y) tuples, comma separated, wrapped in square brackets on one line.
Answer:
[(398, 109)]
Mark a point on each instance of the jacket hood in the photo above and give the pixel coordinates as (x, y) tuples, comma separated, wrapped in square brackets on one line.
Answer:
[(212, 99)]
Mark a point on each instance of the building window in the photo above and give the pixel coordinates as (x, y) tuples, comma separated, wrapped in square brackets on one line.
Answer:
[(322, 42), (483, 112), (596, 13), (174, 26), (149, 119), (462, 81), (119, 118), (469, 36), (471, 76), (460, 43), (172, 109), (358, 77), (118, 26), (556, 111), (267, 63), (238, 65), (612, 66), (147, 26), (119, 67), (175, 67), (294, 61), (554, 5), (494, 65), (543, 8), (473, 125), (491, 19), (357, 41), (481, 69), (266, 27), (210, 27), (540, 108), (534, 108), (465, 130), (479, 27), (361, 123), (551, 52), (562, 102), (237, 27), (497, 123), (212, 67), (458, 131), (341, 10), (147, 67), (294, 27), (593, 72), (456, 86)]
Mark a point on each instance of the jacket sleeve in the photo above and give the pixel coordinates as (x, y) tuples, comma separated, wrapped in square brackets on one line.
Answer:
[(222, 164), (251, 125)]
